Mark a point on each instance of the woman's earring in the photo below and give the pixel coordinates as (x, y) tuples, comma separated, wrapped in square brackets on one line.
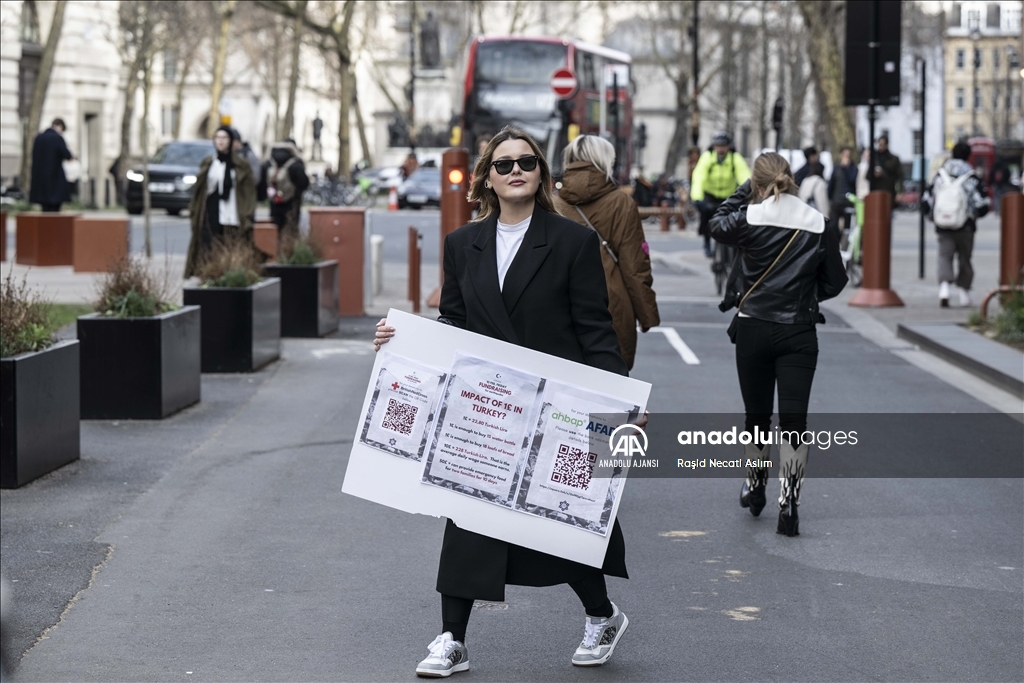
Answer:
[(487, 185)]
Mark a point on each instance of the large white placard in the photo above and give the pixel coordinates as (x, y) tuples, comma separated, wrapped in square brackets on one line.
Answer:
[(544, 504)]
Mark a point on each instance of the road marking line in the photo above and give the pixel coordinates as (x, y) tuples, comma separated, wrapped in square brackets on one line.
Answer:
[(688, 356)]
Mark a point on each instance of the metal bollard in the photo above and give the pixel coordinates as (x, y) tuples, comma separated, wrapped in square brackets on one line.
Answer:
[(415, 258), (876, 241), (664, 218), (1011, 239)]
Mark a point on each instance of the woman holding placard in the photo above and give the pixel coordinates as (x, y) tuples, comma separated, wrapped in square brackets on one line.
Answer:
[(523, 274)]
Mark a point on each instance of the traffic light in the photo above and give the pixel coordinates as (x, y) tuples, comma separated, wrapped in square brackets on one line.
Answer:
[(641, 135)]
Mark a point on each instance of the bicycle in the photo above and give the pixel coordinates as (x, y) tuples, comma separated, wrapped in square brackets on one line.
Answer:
[(721, 264), (849, 242)]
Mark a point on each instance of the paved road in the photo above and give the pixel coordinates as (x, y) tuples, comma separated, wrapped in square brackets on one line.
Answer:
[(216, 546)]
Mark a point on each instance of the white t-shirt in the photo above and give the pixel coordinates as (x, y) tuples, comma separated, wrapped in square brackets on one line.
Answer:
[(509, 238), (228, 208)]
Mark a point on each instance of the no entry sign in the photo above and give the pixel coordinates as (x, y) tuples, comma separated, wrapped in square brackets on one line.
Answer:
[(564, 83)]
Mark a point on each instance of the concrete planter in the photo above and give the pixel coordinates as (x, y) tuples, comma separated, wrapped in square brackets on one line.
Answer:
[(139, 368), (241, 325), (309, 298), (39, 413)]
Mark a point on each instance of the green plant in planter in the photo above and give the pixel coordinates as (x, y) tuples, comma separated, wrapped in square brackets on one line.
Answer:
[(25, 319), (231, 262), (300, 252), (1009, 324), (132, 290)]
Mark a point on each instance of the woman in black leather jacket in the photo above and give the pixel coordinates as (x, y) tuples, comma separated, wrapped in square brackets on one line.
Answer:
[(789, 261)]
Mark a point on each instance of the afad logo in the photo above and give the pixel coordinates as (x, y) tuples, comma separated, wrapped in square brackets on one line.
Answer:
[(626, 441)]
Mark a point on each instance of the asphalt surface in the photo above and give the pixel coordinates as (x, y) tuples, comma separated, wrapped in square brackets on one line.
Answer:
[(216, 546)]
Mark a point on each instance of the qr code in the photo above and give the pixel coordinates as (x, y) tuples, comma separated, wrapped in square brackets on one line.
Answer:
[(573, 467), (400, 417)]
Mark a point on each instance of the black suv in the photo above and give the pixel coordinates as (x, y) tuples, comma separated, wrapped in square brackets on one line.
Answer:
[(172, 174)]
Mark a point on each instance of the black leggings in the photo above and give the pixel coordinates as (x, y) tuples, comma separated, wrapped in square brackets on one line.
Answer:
[(770, 353), (591, 590)]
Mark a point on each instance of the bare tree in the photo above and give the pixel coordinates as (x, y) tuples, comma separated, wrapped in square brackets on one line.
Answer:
[(262, 37), (185, 37), (823, 20), (293, 76), (35, 111), (227, 10)]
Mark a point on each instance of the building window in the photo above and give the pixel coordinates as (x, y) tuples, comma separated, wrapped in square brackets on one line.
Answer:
[(977, 99), (170, 66), (1011, 19), (959, 59), (917, 101), (917, 142), (973, 19), (960, 99), (977, 58), (995, 98), (168, 120), (995, 57)]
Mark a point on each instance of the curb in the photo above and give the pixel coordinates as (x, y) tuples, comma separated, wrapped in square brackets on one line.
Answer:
[(987, 359)]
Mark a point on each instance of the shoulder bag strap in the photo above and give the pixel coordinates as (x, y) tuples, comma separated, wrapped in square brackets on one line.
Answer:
[(604, 242), (765, 274)]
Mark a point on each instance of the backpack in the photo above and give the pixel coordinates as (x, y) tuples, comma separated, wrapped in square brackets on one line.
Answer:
[(951, 206), (280, 188)]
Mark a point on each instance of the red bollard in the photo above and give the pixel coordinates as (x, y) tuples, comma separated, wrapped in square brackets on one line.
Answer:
[(876, 245), (456, 210), (1011, 239), (415, 258)]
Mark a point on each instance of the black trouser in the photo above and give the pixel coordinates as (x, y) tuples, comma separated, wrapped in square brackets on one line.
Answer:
[(840, 218), (770, 354), (707, 207), (591, 590)]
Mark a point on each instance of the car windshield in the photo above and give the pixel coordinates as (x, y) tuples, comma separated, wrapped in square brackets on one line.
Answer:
[(518, 62), (425, 176), (176, 154)]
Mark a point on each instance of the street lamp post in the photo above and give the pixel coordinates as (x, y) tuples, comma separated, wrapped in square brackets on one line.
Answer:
[(975, 62)]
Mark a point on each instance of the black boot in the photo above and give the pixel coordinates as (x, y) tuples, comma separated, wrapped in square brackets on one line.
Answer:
[(792, 464), (752, 495)]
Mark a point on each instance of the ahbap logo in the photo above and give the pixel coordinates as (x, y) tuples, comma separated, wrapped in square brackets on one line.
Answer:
[(626, 441), (563, 506)]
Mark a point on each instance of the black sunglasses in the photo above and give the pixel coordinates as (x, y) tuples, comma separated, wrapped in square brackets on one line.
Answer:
[(526, 164)]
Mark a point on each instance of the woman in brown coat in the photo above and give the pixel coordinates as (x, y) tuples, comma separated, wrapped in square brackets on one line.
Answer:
[(223, 200), (589, 196)]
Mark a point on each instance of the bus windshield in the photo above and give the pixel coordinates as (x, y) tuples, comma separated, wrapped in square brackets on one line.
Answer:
[(518, 62)]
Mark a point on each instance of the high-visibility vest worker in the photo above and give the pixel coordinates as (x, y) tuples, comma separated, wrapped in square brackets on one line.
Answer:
[(719, 171)]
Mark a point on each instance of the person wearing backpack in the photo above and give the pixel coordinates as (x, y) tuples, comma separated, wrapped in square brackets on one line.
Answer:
[(955, 200), (284, 181)]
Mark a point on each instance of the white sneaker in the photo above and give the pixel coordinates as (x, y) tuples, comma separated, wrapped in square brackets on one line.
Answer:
[(599, 639), (944, 294), (965, 296), (446, 657)]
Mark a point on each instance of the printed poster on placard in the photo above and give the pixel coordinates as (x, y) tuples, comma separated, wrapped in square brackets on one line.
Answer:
[(572, 433), (402, 406), (484, 423)]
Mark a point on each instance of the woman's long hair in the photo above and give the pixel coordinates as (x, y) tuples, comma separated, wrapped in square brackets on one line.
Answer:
[(772, 174), (486, 196)]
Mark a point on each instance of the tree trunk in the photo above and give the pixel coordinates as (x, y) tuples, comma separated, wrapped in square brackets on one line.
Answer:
[(131, 87), (360, 124), (344, 135), (826, 67), (179, 94), (227, 11), (35, 112), (762, 109), (293, 77), (147, 82), (681, 118)]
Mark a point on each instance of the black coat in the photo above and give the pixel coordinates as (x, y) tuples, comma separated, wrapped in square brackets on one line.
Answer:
[(49, 184), (554, 301), (810, 271)]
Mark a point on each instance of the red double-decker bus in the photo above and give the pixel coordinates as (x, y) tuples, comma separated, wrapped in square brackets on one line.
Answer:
[(508, 81)]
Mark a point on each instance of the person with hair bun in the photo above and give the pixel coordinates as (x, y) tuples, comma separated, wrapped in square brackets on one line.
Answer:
[(521, 273), (788, 262)]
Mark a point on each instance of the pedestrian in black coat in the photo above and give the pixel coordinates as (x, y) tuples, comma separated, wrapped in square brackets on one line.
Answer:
[(49, 186), (523, 274)]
